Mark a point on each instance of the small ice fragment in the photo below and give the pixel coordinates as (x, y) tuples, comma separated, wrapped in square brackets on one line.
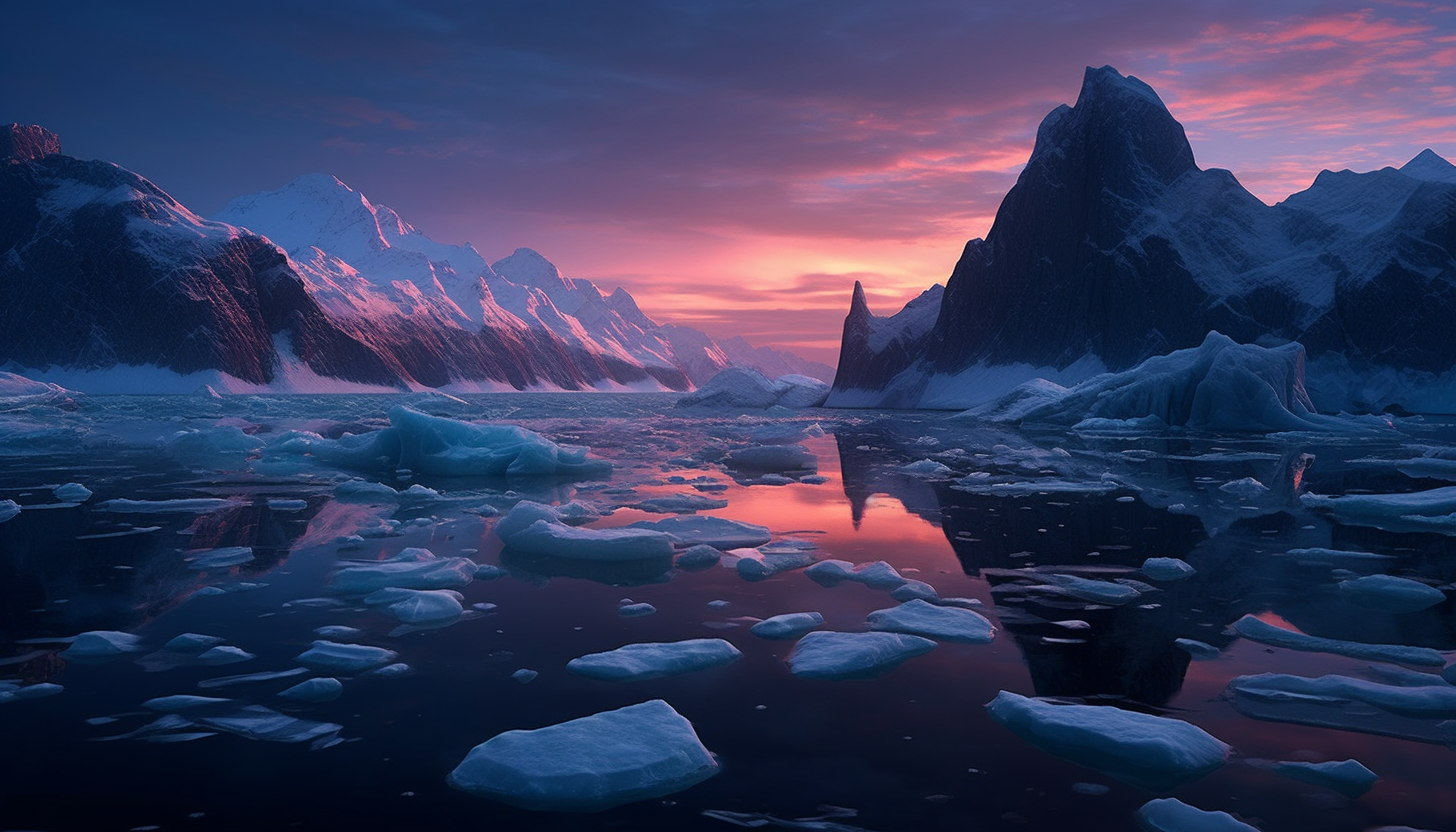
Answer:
[(834, 655), (589, 764), (922, 618), (1390, 593), (1166, 569), (912, 590), (925, 467), (345, 658), (1167, 814), (224, 654), (636, 610), (488, 572), (1149, 752), (719, 604), (338, 631), (39, 690), (524, 675), (321, 689), (1348, 777), (699, 557), (72, 492), (766, 566), (102, 644), (787, 625), (649, 660), (830, 572), (192, 642), (1247, 488), (279, 504), (1200, 651), (483, 606), (390, 671), (8, 510)]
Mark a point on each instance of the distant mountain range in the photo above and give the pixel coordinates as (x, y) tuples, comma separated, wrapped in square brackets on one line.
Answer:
[(1114, 246), (107, 283)]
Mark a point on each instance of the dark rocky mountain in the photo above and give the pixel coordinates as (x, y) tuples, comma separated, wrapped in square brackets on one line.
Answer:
[(1113, 246)]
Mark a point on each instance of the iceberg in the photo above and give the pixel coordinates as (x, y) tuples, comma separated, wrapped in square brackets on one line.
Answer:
[(1167, 814), (1255, 630), (1150, 752), (589, 764), (1218, 385), (650, 660), (787, 625), (717, 532), (741, 388), (333, 657), (921, 618), (833, 655)]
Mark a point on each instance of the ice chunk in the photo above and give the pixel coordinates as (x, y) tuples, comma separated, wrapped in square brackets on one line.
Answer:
[(280, 504), (650, 660), (585, 765), (762, 459), (741, 388), (767, 565), (418, 606), (98, 645), (1255, 630), (1167, 814), (699, 557), (218, 558), (1431, 510), (877, 575), (1247, 488), (831, 572), (182, 702), (224, 654), (1167, 569), (256, 722), (548, 538), (321, 689), (522, 516), (912, 590), (525, 675), (718, 532), (1086, 589), (436, 445), (922, 618), (1348, 777), (200, 505), (9, 509), (333, 657), (681, 504), (1150, 752), (250, 678), (1387, 592), (1200, 651), (410, 569), (334, 632), (787, 625), (926, 468), (72, 492), (635, 610), (832, 655), (1422, 713)]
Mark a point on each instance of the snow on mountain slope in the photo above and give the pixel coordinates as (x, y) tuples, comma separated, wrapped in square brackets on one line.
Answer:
[(1114, 247)]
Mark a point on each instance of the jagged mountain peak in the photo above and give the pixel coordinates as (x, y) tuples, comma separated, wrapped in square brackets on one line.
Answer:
[(527, 267), (858, 306), (1430, 166), (1106, 82), (27, 143), (313, 209)]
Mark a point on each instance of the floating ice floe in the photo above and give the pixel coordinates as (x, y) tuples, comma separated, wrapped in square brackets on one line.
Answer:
[(1167, 569), (1431, 510), (321, 689), (1333, 557), (766, 459), (1256, 630), (1219, 385), (698, 557), (1167, 814), (1389, 593), (333, 657), (20, 693), (740, 388), (436, 445), (922, 618), (649, 660), (525, 675), (1415, 712), (925, 468), (1142, 750), (1200, 651), (1348, 777), (1088, 589), (72, 492), (756, 566), (619, 544), (1247, 488), (589, 764), (418, 606), (787, 625), (412, 568), (200, 505), (680, 504), (251, 678), (214, 447), (100, 645), (719, 532), (875, 575), (218, 558), (833, 655)]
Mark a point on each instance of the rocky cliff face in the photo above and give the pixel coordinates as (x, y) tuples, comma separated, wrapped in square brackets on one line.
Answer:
[(1113, 246)]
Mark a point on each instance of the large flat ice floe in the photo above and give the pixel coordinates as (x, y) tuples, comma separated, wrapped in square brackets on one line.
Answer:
[(1424, 713), (922, 618), (412, 568), (650, 660), (1142, 750), (1219, 385), (740, 388), (560, 540), (1431, 510), (1256, 630), (718, 532), (436, 445), (834, 655), (589, 764)]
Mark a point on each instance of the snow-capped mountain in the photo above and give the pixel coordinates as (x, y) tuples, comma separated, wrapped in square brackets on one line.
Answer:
[(109, 284), (349, 248), (1113, 246)]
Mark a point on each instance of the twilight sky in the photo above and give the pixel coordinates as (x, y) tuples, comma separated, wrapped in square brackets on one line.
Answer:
[(735, 164)]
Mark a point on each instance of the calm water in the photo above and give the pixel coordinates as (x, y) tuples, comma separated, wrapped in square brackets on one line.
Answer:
[(912, 749)]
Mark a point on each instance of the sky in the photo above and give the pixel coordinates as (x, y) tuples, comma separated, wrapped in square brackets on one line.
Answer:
[(735, 164)]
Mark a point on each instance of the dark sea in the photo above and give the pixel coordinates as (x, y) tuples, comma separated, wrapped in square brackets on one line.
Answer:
[(991, 516)]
